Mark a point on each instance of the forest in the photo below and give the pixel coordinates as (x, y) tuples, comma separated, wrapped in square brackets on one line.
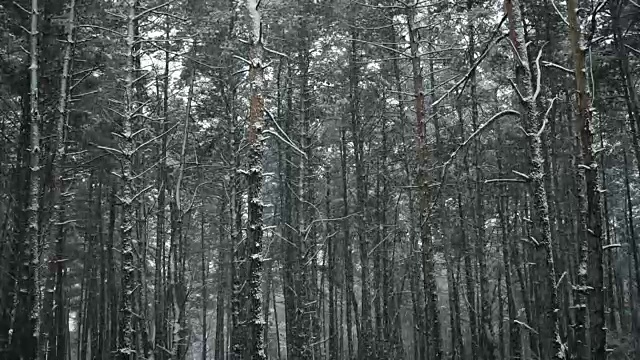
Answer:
[(319, 179)]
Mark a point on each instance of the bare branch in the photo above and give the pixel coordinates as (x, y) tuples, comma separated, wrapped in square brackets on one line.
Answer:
[(564, 20), (636, 51), (516, 53), (473, 67), (242, 59), (190, 58), (538, 74), (560, 280), (106, 148), (141, 192), (522, 175), (545, 119), (383, 46), (102, 28), (452, 156), (559, 67), (157, 137), (515, 88), (491, 181), (21, 8), (275, 52), (151, 9), (273, 119), (611, 246), (268, 131)]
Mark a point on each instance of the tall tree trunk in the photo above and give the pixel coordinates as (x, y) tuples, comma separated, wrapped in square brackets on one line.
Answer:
[(127, 149), (247, 340), (293, 275), (432, 323), (112, 291), (630, 95), (592, 218), (334, 340), (223, 263), (159, 285), (347, 249), (204, 269), (515, 346), (635, 325), (51, 339), (178, 248), (485, 328), (26, 324), (533, 122), (612, 302), (365, 332)]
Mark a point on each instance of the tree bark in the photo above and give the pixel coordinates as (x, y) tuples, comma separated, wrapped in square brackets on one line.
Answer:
[(592, 217), (247, 341), (128, 192), (532, 123), (26, 323)]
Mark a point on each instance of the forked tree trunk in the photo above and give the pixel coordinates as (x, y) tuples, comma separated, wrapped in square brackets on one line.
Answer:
[(532, 122)]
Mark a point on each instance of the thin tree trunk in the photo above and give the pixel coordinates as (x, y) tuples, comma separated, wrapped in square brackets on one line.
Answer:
[(515, 345), (26, 322), (160, 289), (204, 268), (365, 331), (112, 292), (635, 325), (347, 250), (275, 320), (333, 353), (612, 302), (51, 338), (223, 263)]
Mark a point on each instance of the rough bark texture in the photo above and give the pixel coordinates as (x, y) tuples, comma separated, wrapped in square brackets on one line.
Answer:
[(126, 349), (247, 341), (593, 215), (25, 324), (532, 122)]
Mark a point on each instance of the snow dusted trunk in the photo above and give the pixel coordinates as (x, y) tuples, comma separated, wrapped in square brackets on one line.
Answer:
[(591, 265), (26, 322), (125, 349), (247, 341), (54, 254), (533, 125)]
